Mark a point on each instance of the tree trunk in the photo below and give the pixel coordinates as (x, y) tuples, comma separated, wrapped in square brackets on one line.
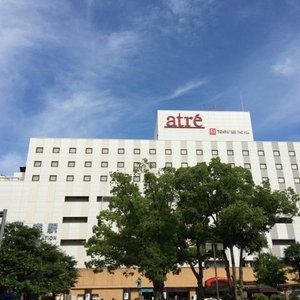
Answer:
[(233, 273), (227, 270), (158, 290), (200, 288), (241, 275)]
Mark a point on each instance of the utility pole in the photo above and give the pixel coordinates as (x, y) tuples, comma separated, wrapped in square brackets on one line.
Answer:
[(3, 220)]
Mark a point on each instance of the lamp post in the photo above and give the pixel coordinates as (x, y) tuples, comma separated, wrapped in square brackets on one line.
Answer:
[(3, 217), (214, 247)]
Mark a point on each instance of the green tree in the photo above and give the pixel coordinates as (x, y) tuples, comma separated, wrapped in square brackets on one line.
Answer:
[(139, 229), (33, 267), (292, 259), (269, 270)]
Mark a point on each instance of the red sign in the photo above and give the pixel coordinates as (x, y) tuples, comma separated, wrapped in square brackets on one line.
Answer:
[(184, 122), (212, 131)]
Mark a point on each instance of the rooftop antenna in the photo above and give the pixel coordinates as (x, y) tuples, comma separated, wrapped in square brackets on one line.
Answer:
[(242, 101)]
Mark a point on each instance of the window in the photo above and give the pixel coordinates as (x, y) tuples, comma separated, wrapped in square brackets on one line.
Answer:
[(121, 151), (70, 178), (168, 165), (294, 166), (152, 151), (120, 164), (199, 152), (247, 166), (35, 177), (152, 165), (55, 150), (292, 153), (136, 151), (261, 153), (105, 151), (39, 149), (37, 163), (104, 164), (282, 242), (281, 180), (278, 166), (71, 164), (52, 178), (103, 178), (276, 153), (214, 152), (72, 150), (103, 199), (72, 242), (184, 165), (75, 219), (136, 178), (263, 166), (230, 152), (88, 150), (87, 178), (76, 198), (245, 152), (284, 220), (168, 151), (183, 152), (54, 163), (87, 164), (297, 180)]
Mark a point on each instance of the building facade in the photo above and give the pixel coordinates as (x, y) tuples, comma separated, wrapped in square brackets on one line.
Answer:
[(67, 181)]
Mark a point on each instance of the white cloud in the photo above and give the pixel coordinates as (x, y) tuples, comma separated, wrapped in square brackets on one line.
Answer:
[(286, 67)]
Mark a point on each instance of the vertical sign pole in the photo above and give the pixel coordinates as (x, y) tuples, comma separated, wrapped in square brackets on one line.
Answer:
[(3, 215)]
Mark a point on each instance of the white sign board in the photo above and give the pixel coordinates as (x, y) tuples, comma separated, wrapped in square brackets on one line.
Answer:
[(203, 125)]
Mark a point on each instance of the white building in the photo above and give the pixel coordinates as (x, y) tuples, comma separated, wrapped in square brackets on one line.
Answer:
[(67, 181)]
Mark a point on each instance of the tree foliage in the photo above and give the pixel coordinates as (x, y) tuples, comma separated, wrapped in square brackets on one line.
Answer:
[(31, 266), (292, 259)]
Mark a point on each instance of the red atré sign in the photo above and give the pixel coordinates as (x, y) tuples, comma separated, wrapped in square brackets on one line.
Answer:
[(184, 122)]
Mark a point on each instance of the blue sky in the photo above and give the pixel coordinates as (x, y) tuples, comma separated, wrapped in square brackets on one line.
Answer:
[(101, 69)]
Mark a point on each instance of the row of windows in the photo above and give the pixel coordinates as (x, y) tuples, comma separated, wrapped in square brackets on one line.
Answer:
[(86, 198), (104, 178), (152, 151)]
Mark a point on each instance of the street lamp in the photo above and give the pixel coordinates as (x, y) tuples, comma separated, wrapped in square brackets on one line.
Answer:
[(3, 217), (214, 247)]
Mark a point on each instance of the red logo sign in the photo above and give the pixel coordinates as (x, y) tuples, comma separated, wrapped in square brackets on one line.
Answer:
[(212, 131), (184, 122)]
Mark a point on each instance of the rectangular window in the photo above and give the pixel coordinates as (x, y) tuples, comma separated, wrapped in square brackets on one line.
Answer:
[(54, 163), (121, 151), (136, 178), (278, 166), (261, 153), (199, 152), (152, 165), (136, 151), (103, 178), (37, 163), (88, 150), (87, 178), (70, 178), (294, 166), (71, 164), (39, 149), (183, 152), (276, 153), (152, 151), (75, 219), (35, 177), (247, 166), (284, 220), (297, 180), (76, 198), (120, 164), (292, 153), (104, 151), (245, 152), (72, 150), (230, 152), (87, 164), (263, 166), (281, 180), (214, 152), (168, 151), (103, 199), (282, 242), (52, 178), (184, 165), (55, 150), (72, 242), (168, 165), (104, 164)]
